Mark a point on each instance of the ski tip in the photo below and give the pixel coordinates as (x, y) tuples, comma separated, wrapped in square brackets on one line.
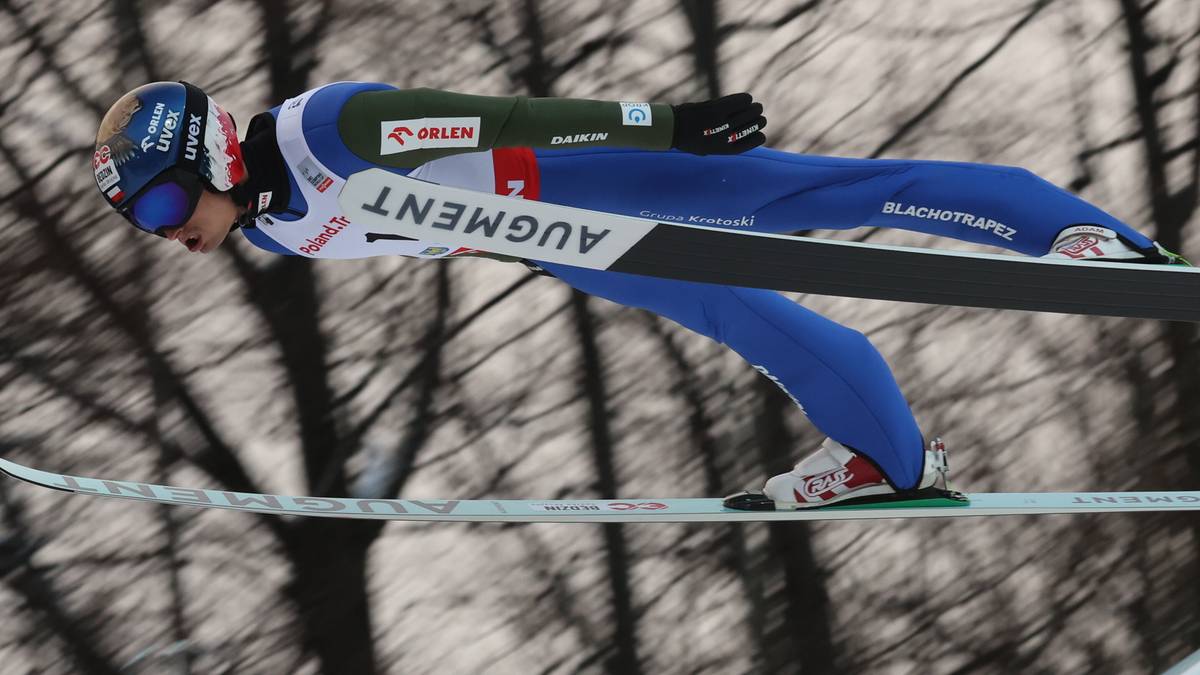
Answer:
[(749, 500)]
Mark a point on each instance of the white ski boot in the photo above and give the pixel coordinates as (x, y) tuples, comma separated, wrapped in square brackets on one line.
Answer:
[(1092, 242), (835, 474)]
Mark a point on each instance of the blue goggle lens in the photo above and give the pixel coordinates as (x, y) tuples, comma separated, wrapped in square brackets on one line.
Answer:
[(164, 205)]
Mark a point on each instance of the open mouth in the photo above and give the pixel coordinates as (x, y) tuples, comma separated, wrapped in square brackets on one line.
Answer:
[(193, 242)]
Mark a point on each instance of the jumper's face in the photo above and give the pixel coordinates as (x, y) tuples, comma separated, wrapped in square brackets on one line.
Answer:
[(209, 225)]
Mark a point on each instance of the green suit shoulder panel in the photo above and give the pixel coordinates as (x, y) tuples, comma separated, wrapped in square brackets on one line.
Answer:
[(406, 128)]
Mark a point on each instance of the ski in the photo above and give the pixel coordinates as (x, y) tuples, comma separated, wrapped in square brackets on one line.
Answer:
[(397, 206), (602, 510)]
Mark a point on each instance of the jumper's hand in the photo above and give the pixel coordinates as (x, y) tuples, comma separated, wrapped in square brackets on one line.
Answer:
[(725, 126)]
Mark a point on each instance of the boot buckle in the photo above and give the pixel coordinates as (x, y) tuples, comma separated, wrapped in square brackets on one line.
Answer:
[(941, 462)]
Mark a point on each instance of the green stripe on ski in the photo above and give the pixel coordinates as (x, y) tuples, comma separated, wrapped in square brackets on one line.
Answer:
[(932, 502)]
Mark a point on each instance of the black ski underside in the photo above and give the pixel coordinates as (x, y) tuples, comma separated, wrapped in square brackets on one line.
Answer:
[(915, 275)]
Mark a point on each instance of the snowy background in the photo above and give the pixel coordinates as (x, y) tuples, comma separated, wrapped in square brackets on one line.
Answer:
[(120, 356)]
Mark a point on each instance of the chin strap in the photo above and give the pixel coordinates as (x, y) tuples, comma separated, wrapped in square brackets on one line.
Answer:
[(244, 221), (240, 195)]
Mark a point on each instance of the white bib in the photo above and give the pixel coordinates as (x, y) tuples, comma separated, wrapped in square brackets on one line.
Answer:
[(324, 231)]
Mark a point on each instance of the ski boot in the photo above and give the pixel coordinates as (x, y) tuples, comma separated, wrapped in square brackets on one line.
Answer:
[(836, 474), (1092, 242)]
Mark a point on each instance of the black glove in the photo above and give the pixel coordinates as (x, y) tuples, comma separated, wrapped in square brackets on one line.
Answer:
[(725, 126)]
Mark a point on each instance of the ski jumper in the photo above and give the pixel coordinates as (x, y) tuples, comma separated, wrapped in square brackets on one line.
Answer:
[(832, 372)]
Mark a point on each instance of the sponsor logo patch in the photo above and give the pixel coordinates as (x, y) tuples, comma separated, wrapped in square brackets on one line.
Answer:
[(744, 221), (630, 506), (435, 250), (946, 215), (636, 115), (1144, 498), (396, 136), (292, 106), (1090, 229), (814, 487), (579, 138), (716, 130), (164, 129), (480, 221), (193, 137), (555, 508), (743, 133), (106, 170), (314, 176), (264, 200), (611, 506), (333, 228), (1082, 248)]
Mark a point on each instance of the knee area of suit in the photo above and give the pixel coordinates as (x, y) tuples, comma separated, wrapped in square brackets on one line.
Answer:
[(1014, 173), (709, 312), (858, 346), (1023, 174)]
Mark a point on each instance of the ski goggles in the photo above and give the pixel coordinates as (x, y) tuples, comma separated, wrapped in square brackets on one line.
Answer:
[(167, 201)]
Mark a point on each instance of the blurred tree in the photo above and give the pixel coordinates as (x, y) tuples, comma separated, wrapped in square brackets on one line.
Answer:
[(247, 372)]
